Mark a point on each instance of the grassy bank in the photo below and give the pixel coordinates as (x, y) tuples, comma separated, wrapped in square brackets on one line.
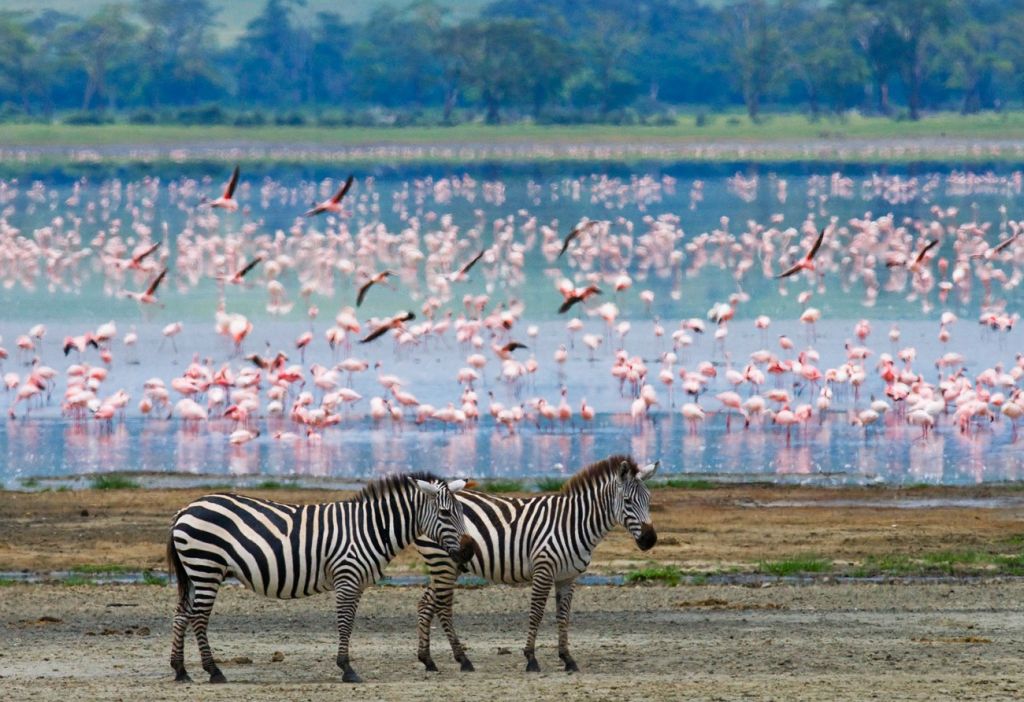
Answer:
[(1007, 125), (781, 138)]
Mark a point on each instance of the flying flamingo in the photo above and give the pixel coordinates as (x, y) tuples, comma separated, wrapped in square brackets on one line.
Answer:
[(227, 199), (333, 203)]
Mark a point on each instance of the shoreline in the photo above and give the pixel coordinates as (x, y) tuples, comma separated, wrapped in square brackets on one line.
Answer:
[(732, 530)]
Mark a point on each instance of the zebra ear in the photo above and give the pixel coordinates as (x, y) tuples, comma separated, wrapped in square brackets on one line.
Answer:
[(428, 488), (456, 485), (648, 470), (625, 470)]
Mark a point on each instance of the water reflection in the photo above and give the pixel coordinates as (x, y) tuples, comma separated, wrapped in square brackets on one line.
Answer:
[(834, 452)]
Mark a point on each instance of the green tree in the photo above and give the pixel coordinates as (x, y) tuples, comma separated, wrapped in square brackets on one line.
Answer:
[(395, 57), (274, 57), (103, 45), (901, 35), (178, 60), (17, 54), (332, 44), (824, 60), (758, 52), (509, 62)]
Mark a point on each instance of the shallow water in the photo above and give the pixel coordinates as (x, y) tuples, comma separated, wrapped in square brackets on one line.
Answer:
[(44, 444)]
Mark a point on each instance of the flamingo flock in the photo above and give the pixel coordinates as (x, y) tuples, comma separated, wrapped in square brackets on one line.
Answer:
[(515, 322)]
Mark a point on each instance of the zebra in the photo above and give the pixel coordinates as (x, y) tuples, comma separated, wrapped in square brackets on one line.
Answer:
[(548, 539), (287, 551)]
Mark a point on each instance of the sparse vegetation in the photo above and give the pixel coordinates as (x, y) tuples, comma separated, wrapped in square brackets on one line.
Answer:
[(99, 568), (685, 484), (502, 486), (797, 565), (550, 484), (151, 578), (666, 575), (113, 482), (277, 485), (31, 482)]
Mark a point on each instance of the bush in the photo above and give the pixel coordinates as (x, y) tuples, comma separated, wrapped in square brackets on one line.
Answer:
[(703, 119), (142, 117), (332, 120), (290, 119), (87, 118), (253, 118), (202, 115)]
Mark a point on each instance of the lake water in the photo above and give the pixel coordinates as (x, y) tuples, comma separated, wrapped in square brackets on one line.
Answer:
[(55, 229)]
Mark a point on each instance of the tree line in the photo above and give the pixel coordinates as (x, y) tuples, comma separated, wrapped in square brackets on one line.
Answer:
[(545, 60)]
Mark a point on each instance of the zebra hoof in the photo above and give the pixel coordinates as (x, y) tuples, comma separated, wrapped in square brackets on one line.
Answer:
[(532, 666), (350, 676), (182, 677), (571, 667), (430, 666), (466, 665), (217, 677)]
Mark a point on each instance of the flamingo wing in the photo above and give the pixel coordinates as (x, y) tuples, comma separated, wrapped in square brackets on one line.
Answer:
[(229, 191), (249, 266), (156, 283), (343, 190)]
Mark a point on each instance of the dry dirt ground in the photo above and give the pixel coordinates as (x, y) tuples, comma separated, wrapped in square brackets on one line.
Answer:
[(850, 642), (885, 640)]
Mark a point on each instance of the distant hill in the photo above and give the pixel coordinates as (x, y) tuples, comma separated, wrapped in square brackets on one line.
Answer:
[(235, 14)]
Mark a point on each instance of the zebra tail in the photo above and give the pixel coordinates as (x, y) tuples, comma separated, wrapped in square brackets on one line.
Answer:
[(174, 564)]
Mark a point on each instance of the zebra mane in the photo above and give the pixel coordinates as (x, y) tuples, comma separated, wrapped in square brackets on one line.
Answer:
[(597, 473), (389, 483)]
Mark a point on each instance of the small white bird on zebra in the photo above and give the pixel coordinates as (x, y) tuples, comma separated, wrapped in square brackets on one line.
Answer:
[(548, 539), (287, 551)]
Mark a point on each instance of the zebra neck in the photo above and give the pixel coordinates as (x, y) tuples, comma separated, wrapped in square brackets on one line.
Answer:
[(388, 521), (595, 512)]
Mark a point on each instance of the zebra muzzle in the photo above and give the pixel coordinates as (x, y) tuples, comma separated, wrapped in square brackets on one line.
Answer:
[(648, 537), (467, 547)]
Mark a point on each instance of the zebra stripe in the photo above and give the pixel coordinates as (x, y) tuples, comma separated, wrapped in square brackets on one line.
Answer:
[(548, 539), (288, 551)]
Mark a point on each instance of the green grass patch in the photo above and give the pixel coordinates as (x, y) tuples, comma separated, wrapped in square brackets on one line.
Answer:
[(685, 484), (277, 485), (151, 578), (30, 482), (113, 482), (99, 568), (8, 582), (666, 575), (795, 566), (502, 486), (550, 484), (885, 565)]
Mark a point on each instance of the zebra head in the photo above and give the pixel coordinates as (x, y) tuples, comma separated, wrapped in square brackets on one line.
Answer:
[(635, 509), (440, 518)]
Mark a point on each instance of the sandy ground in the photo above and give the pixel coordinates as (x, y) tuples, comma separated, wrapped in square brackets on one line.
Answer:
[(702, 530), (907, 642), (886, 640)]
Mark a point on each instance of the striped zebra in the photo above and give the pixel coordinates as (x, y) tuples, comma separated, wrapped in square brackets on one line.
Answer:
[(288, 551), (548, 539)]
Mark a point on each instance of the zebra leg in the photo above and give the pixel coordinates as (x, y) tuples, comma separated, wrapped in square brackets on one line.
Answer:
[(202, 605), (542, 578), (446, 611), (181, 620), (563, 600), (346, 600), (425, 612)]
